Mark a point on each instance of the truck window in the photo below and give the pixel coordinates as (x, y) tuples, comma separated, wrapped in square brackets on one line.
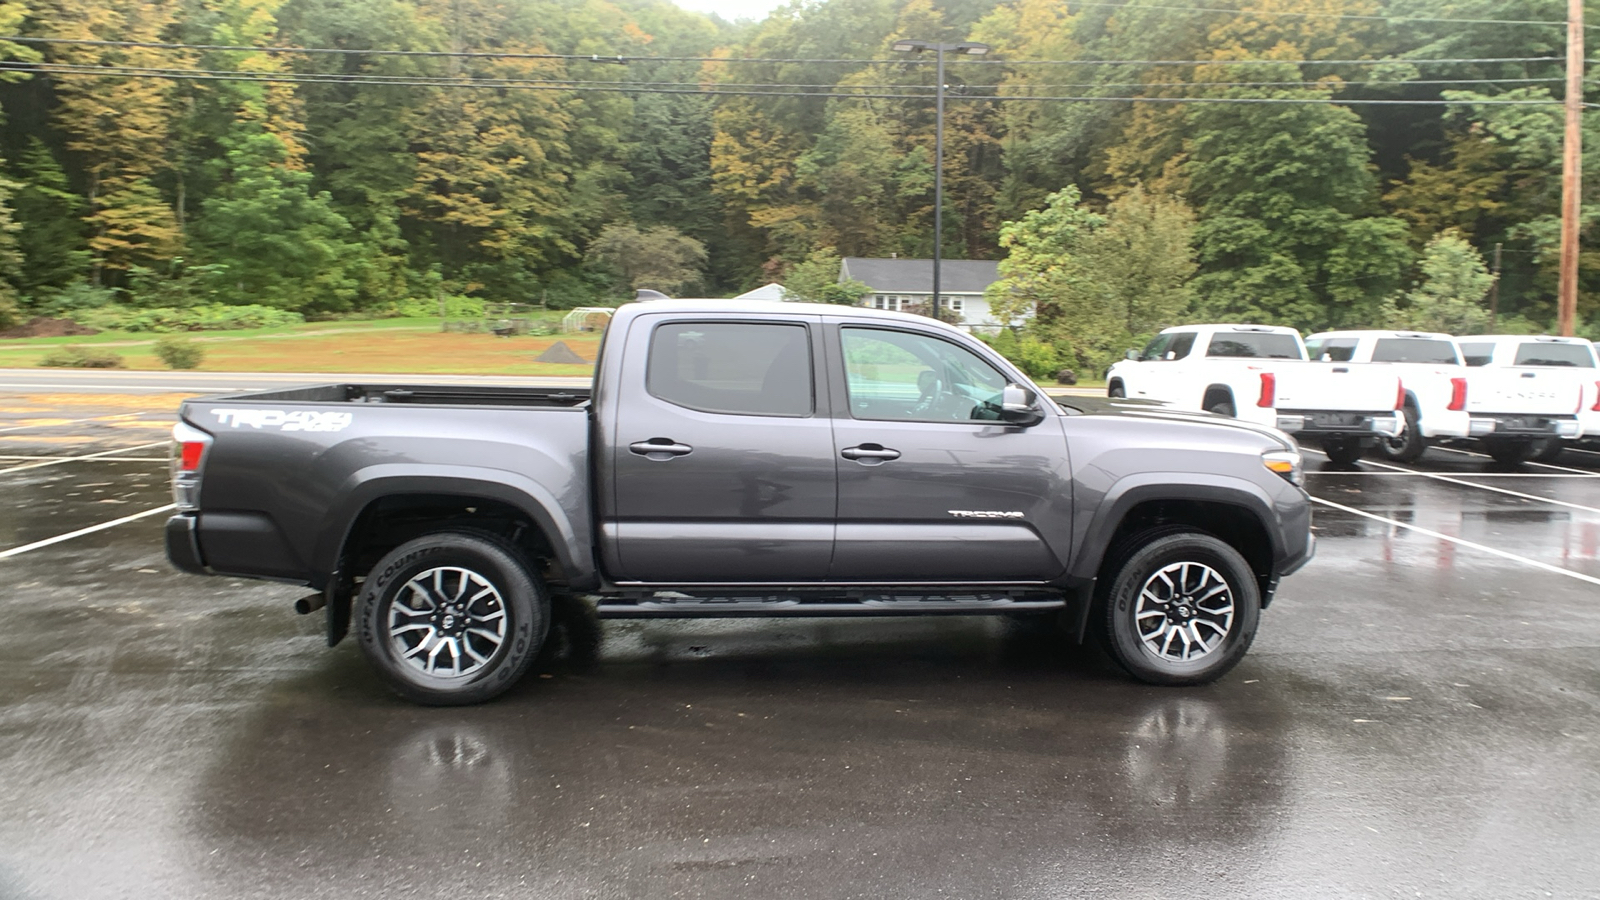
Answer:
[(899, 375), (1157, 348), (1331, 349), (1413, 350), (1550, 353), (1477, 354), (1254, 345), (737, 368)]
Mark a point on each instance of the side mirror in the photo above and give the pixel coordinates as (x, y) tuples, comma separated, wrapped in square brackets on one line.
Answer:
[(1020, 406), (1131, 354)]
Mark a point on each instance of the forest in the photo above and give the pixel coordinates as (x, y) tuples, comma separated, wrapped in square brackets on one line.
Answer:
[(185, 164)]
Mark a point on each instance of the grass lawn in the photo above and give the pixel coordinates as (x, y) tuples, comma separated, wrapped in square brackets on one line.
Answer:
[(381, 345)]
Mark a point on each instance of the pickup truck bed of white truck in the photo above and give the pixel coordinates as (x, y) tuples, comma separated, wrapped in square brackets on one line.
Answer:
[(1529, 393)]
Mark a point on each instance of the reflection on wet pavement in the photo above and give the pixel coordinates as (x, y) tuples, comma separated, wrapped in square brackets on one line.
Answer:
[(1416, 718)]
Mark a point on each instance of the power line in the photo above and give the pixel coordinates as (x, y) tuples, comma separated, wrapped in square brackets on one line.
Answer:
[(1313, 15), (597, 58), (645, 88)]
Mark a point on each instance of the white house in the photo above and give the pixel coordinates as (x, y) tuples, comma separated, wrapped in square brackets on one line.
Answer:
[(901, 284)]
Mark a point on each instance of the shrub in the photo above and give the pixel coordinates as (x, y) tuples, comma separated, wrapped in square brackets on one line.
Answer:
[(75, 357), (210, 317), (179, 352)]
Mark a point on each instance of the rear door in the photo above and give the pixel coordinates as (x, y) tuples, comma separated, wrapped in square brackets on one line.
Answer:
[(932, 487), (722, 457)]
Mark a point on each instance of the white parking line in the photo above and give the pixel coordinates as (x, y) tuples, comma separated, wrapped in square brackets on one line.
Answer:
[(58, 461), (1485, 487), (54, 424), (18, 551), (1458, 474), (1455, 540)]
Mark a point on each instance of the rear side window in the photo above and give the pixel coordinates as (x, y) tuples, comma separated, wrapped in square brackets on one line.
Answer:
[(1254, 345), (737, 368), (1413, 350), (1332, 349), (1540, 353), (1477, 354)]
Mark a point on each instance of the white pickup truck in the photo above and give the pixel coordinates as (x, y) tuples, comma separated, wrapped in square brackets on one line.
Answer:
[(1260, 373), (1534, 393), (1430, 372)]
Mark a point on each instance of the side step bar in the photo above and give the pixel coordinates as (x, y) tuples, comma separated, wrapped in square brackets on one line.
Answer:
[(672, 604)]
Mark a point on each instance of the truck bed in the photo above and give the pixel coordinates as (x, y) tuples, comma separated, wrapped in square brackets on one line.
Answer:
[(424, 394)]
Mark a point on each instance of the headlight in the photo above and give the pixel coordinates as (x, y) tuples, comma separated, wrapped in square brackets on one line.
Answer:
[(1285, 463)]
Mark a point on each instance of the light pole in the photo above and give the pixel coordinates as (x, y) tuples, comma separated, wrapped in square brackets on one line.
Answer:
[(968, 48)]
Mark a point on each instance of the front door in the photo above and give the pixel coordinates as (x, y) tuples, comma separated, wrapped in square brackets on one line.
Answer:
[(932, 486), (722, 466)]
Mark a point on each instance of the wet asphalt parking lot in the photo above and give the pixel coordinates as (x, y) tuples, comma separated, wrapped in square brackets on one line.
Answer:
[(1418, 717)]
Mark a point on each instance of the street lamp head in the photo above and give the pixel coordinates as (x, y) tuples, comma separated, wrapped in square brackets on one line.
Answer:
[(910, 46), (972, 48)]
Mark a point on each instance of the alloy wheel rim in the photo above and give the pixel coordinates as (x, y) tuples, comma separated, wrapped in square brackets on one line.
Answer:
[(447, 622), (1184, 613)]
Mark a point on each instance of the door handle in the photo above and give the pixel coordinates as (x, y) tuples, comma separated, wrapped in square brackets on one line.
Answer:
[(660, 448), (870, 454)]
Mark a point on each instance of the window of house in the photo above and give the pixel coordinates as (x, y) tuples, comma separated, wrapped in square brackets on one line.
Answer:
[(737, 368)]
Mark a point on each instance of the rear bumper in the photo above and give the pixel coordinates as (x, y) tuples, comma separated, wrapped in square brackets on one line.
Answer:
[(1507, 425), (1335, 422), (183, 545)]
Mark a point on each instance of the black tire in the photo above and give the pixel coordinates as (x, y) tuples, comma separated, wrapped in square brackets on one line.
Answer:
[(1222, 408), (1116, 391), (1510, 452), (1342, 451), (1120, 612), (1549, 450), (1408, 445), (465, 565)]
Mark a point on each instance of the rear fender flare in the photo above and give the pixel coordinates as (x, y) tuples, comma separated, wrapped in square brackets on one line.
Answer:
[(363, 487)]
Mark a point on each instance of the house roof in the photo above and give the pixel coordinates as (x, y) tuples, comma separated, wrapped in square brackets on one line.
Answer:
[(772, 291), (915, 276)]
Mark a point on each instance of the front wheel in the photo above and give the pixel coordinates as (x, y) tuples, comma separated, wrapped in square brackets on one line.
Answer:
[(452, 618), (1117, 391), (1182, 609)]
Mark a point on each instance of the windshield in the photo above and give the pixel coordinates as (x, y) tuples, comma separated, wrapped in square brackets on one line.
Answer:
[(1255, 345), (1414, 350), (1550, 353)]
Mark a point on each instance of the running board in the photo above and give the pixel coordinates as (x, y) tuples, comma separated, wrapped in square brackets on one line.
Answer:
[(672, 604)]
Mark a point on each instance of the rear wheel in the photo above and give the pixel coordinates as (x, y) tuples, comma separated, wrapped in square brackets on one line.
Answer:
[(1407, 446), (452, 618), (1181, 608), (1342, 451), (1510, 452), (1549, 451)]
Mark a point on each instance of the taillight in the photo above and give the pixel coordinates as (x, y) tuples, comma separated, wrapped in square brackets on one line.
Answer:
[(189, 446), (1596, 406), (1269, 390), (1458, 394), (1400, 395)]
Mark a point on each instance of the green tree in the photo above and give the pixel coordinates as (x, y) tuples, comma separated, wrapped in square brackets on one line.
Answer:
[(659, 258), (281, 244), (817, 281), (10, 256), (51, 236), (1450, 296)]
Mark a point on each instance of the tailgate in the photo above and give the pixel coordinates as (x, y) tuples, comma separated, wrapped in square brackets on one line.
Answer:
[(1524, 390), (1351, 387)]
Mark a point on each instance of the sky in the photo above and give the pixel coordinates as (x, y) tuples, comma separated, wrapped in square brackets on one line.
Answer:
[(733, 10)]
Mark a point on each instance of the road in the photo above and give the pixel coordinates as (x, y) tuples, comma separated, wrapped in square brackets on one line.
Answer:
[(1418, 718)]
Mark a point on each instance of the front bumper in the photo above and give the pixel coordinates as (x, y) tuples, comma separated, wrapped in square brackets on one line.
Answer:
[(1329, 422), (183, 545)]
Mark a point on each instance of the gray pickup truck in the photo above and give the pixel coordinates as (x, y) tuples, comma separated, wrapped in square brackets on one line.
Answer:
[(741, 459)]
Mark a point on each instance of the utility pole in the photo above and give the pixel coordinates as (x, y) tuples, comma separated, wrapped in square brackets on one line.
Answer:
[(1571, 171), (1494, 288)]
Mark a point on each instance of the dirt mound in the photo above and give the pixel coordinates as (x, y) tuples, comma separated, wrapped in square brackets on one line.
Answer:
[(559, 352), (43, 326)]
